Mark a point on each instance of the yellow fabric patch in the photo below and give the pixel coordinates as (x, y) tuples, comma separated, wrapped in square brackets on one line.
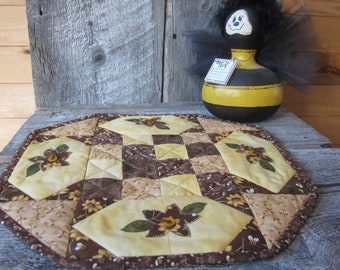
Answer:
[(216, 227), (238, 165), (158, 124), (145, 139), (171, 150), (45, 183), (104, 168), (180, 185)]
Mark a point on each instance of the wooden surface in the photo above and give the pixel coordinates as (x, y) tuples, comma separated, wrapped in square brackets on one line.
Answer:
[(16, 86), (316, 246), (96, 53)]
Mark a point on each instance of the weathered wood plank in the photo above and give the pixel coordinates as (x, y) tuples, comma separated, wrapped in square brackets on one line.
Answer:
[(96, 52), (183, 16), (12, 2), (17, 101), (314, 7), (13, 26), (319, 100), (326, 125), (15, 65)]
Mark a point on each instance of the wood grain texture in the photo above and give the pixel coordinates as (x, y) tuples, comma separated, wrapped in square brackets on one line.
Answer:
[(182, 16), (96, 52), (314, 248), (314, 7), (12, 2), (15, 65), (21, 98), (319, 100), (13, 26)]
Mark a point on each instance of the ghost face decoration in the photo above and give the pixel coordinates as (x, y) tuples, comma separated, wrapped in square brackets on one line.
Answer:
[(239, 23)]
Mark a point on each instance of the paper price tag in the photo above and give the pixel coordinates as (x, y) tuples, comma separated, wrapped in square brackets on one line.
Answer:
[(221, 71)]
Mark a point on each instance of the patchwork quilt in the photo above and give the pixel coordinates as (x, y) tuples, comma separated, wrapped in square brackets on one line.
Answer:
[(125, 191)]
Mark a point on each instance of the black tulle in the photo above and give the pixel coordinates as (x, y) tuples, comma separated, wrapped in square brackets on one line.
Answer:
[(289, 46)]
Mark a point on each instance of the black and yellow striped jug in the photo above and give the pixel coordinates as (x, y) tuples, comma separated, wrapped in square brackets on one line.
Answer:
[(253, 93)]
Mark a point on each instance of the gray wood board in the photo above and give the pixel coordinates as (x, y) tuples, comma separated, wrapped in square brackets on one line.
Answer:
[(96, 52), (183, 16)]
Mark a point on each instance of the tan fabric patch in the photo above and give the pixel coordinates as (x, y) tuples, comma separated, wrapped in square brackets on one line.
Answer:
[(216, 126), (106, 151), (195, 137), (140, 188), (207, 164), (81, 128), (48, 221), (274, 212)]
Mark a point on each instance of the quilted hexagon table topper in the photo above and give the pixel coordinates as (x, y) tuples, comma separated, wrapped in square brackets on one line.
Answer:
[(124, 191)]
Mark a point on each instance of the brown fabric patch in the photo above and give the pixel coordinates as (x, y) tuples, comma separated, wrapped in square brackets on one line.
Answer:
[(201, 149), (139, 161), (169, 167), (162, 139)]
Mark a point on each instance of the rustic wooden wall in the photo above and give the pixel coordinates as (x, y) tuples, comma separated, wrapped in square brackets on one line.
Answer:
[(117, 52), (320, 107), (16, 88)]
